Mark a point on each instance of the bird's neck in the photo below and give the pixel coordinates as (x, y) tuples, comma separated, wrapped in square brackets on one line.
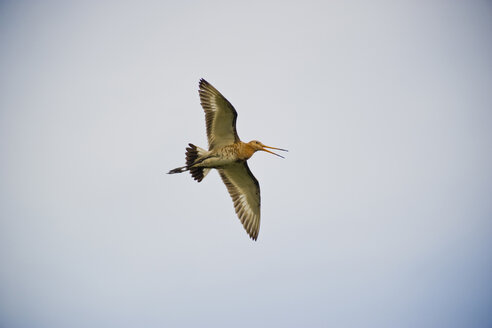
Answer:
[(245, 151)]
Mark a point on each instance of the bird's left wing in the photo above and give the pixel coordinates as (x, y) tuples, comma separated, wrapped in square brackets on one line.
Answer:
[(220, 116), (245, 192)]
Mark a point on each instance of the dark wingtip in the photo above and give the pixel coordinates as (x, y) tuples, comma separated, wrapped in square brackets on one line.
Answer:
[(203, 82), (253, 236)]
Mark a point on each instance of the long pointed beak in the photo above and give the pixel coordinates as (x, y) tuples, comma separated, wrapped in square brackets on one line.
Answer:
[(271, 152)]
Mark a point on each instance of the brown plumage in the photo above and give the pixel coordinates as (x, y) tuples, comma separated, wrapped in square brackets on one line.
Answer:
[(228, 154)]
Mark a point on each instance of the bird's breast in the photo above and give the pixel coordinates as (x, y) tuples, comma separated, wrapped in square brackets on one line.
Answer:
[(229, 152), (236, 152), (244, 151)]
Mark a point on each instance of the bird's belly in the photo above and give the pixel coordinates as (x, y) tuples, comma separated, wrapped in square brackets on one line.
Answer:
[(221, 157), (218, 161)]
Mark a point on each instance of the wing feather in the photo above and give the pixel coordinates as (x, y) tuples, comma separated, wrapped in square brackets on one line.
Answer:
[(220, 116), (245, 193)]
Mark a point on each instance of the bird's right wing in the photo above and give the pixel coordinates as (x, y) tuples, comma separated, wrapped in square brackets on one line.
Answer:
[(220, 116), (245, 192)]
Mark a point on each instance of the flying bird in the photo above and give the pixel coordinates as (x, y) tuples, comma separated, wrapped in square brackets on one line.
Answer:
[(228, 155)]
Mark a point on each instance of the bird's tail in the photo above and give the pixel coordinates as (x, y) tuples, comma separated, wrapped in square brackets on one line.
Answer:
[(192, 154)]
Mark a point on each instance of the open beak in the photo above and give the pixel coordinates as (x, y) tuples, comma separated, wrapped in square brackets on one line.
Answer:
[(271, 152)]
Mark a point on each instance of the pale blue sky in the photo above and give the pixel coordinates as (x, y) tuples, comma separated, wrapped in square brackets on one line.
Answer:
[(380, 216)]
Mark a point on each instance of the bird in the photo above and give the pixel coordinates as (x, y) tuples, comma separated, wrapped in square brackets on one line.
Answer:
[(228, 155)]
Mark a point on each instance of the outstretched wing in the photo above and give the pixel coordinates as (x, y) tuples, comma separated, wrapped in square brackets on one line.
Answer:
[(245, 192), (220, 116)]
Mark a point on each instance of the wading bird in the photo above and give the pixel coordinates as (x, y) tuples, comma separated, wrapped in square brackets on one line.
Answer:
[(228, 154)]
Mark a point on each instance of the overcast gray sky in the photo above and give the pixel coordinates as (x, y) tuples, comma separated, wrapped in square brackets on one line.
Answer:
[(380, 216)]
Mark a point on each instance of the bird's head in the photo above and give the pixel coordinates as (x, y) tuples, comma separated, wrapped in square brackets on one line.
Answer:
[(256, 145)]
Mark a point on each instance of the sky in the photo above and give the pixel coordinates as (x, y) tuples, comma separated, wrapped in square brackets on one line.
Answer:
[(380, 215)]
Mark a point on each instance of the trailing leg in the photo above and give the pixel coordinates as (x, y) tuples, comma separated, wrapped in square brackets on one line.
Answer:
[(178, 170)]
